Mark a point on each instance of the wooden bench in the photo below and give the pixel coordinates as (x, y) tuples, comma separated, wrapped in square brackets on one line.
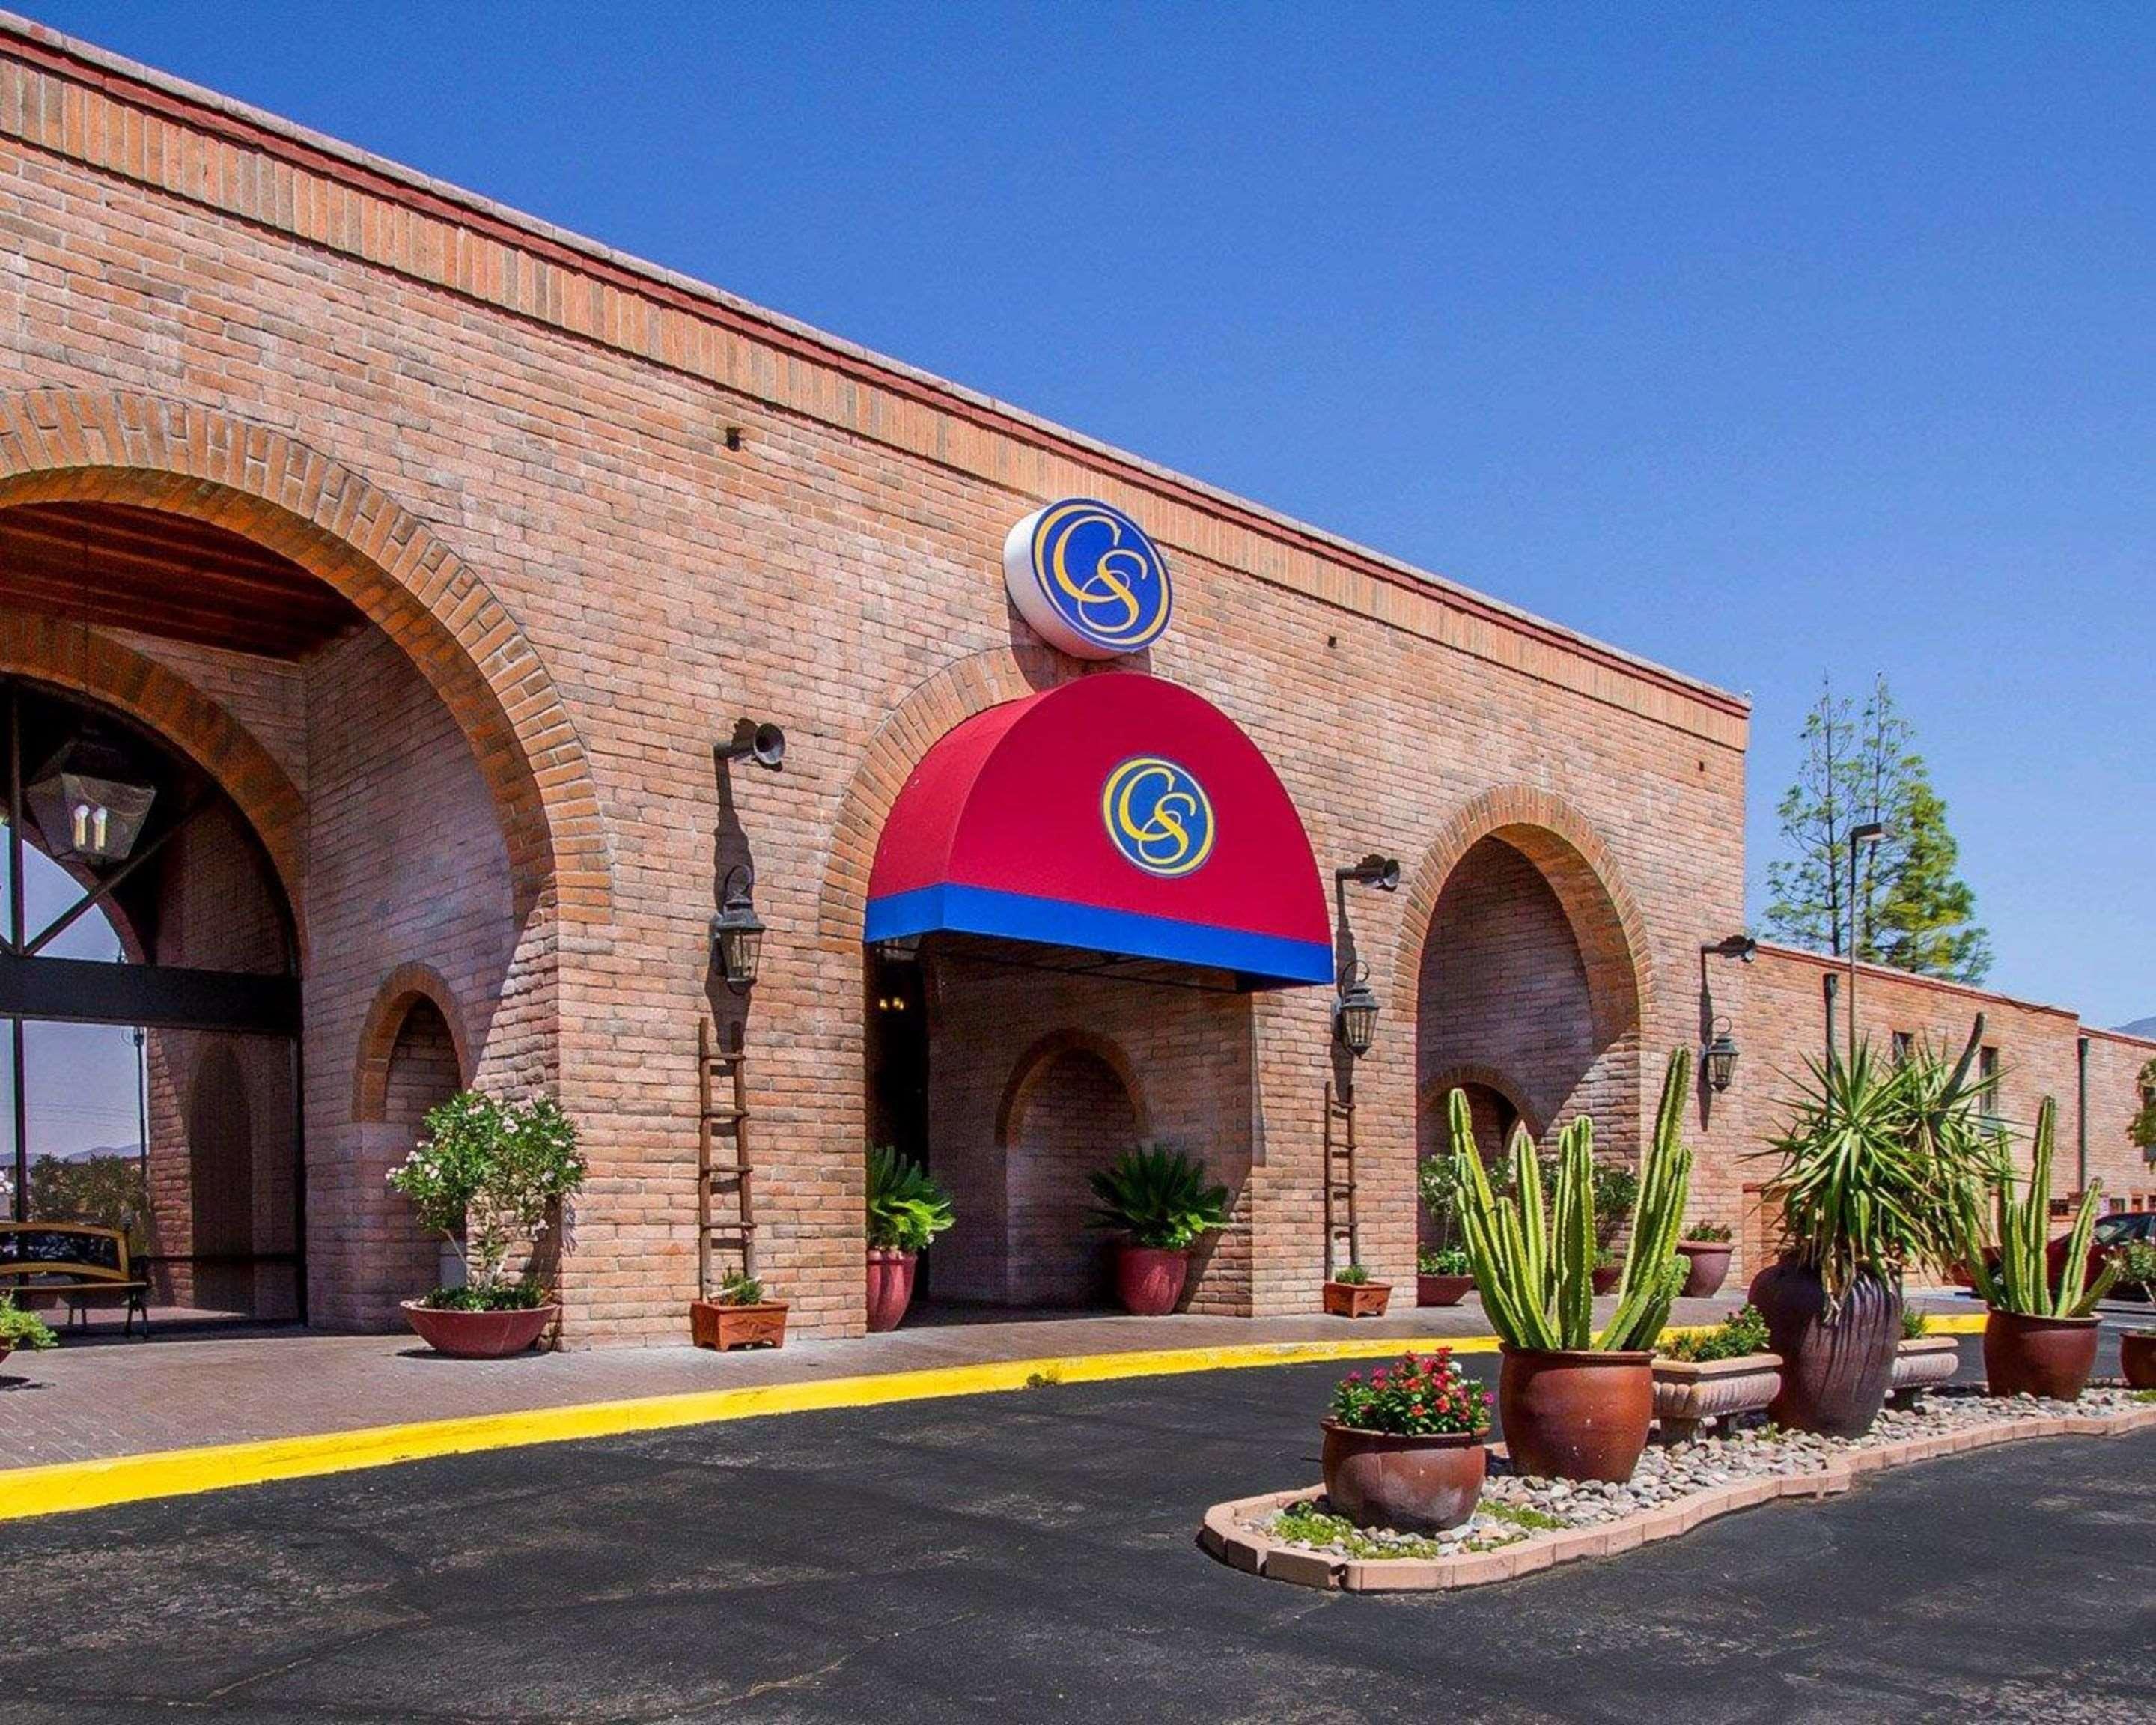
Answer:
[(77, 1260)]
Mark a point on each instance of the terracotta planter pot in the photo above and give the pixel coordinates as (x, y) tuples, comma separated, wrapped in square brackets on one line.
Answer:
[(1579, 1415), (1606, 1278), (1835, 1375), (1922, 1363), (1706, 1266), (479, 1335), (2137, 1358), (716, 1325), (2049, 1357), (1689, 1392), (1149, 1279), (1356, 1299), (1411, 1485), (891, 1287), (1443, 1290)]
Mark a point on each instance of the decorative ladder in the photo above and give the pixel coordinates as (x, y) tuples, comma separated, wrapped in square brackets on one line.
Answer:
[(1340, 1182), (722, 1121)]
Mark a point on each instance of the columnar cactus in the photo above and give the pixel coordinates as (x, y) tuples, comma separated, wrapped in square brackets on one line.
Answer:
[(2021, 1282)]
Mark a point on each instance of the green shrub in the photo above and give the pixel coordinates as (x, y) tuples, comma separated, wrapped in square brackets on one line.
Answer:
[(2137, 1266), (1616, 1191), (2022, 1283), (106, 1190), (525, 1294), (1160, 1196), (906, 1209), (486, 1175), (739, 1288), (23, 1329), (1354, 1276), (1741, 1333), (1447, 1261), (1708, 1234)]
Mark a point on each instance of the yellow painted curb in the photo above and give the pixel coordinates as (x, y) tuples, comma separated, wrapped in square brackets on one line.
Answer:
[(68, 1486)]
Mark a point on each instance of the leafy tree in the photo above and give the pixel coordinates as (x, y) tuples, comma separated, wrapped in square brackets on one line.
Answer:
[(2143, 1131), (1910, 909)]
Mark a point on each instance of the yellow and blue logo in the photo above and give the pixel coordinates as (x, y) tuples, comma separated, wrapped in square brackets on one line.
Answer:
[(1087, 578), (1157, 816)]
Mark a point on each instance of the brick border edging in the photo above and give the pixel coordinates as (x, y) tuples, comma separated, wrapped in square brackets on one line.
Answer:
[(1222, 1539)]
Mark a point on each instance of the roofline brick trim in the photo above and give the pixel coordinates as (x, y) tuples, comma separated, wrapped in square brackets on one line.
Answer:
[(74, 100), (1564, 846), (80, 660), (58, 445)]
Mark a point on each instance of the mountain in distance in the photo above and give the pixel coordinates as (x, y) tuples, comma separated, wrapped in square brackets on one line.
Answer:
[(2139, 1027)]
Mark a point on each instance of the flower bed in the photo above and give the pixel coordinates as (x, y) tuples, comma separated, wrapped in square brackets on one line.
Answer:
[(1524, 1524)]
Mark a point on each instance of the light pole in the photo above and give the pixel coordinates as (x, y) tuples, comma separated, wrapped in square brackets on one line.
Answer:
[(1867, 834)]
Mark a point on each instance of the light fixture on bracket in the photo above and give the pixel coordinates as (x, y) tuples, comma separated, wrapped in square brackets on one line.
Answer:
[(736, 931)]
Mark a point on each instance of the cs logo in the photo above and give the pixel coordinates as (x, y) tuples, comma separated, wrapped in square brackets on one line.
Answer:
[(1088, 579), (1157, 816)]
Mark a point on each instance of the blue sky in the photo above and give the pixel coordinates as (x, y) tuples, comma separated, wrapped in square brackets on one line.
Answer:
[(1764, 342)]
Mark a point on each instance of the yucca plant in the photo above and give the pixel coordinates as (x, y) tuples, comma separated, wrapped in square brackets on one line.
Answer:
[(1534, 1260), (906, 1208), (1160, 1196), (2021, 1281)]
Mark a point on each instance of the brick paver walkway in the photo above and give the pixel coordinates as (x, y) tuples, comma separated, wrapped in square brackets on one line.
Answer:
[(85, 1401)]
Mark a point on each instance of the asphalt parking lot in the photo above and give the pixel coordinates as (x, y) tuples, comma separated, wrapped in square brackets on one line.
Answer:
[(1031, 1555)]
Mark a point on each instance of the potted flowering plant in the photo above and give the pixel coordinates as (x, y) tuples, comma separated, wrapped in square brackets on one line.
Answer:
[(1405, 1449), (1706, 1249), (906, 1210), (22, 1329), (1351, 1293), (737, 1316), (489, 1176), (1443, 1276), (1158, 1199), (1714, 1374)]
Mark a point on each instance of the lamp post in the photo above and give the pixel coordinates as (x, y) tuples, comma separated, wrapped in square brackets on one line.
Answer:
[(1867, 834)]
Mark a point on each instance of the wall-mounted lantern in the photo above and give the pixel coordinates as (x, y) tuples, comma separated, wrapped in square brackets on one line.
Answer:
[(1721, 1057), (1717, 1058), (1355, 1009), (736, 931), (86, 805)]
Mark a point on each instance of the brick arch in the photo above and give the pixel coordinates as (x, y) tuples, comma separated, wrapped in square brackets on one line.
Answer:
[(1565, 848), (60, 445), (401, 990), (1432, 1096), (68, 656), (1033, 1065)]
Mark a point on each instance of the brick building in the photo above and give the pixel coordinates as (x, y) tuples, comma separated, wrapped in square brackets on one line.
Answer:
[(420, 553)]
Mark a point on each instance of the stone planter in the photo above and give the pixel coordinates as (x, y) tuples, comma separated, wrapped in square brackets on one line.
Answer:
[(479, 1335), (715, 1325), (2137, 1358), (891, 1287), (2051, 1357), (1690, 1393), (1834, 1374), (1149, 1279), (1356, 1299), (1706, 1266), (1443, 1290), (1575, 1415), (1922, 1362), (1411, 1485)]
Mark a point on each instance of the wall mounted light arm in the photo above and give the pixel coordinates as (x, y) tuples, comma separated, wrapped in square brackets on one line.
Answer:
[(758, 740), (1382, 872), (1717, 1061)]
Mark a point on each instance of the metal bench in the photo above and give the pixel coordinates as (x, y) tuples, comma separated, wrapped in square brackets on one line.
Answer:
[(77, 1260)]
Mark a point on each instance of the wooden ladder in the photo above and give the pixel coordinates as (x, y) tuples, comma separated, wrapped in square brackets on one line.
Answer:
[(722, 1124), (1340, 1183)]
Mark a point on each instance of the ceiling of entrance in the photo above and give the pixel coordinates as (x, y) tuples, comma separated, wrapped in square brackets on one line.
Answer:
[(162, 574)]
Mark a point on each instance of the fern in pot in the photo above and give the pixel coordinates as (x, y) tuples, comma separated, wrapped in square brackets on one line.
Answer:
[(1156, 1198), (1574, 1404)]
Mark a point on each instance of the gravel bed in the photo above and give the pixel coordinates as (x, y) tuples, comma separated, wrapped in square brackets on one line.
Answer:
[(1667, 1475)]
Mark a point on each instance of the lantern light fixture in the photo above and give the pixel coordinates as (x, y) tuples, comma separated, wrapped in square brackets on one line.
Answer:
[(87, 805), (736, 931), (1721, 1057), (1355, 1009)]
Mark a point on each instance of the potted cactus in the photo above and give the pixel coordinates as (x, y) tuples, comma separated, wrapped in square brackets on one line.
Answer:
[(1572, 1403), (1351, 1293), (906, 1210), (1922, 1361), (1706, 1249), (2039, 1339), (1714, 1374), (1156, 1198)]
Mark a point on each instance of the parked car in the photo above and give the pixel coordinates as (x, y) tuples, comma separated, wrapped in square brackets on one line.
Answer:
[(2110, 1233)]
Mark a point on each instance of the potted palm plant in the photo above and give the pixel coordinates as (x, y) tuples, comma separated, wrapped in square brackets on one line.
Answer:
[(2136, 1348), (906, 1210), (1574, 1404), (737, 1315), (489, 1176), (1869, 1167), (1706, 1249), (1405, 1449), (2039, 1339), (22, 1329), (1158, 1199)]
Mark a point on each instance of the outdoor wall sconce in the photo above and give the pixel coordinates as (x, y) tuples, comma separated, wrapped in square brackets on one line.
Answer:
[(1382, 872), (1717, 1061), (756, 740), (1721, 1059), (737, 932), (85, 806), (1355, 1009)]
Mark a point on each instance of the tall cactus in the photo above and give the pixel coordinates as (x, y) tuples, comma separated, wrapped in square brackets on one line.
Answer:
[(1534, 1263), (2022, 1283)]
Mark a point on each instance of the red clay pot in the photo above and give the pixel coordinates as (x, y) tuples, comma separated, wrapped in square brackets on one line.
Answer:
[(2137, 1358), (1706, 1266), (1606, 1278), (1411, 1485), (1443, 1290), (479, 1335), (891, 1287), (1834, 1376), (1149, 1279), (2049, 1357), (1575, 1415)]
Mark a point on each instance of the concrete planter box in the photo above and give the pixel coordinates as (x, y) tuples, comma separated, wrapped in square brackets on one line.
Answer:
[(1690, 1393), (1922, 1362)]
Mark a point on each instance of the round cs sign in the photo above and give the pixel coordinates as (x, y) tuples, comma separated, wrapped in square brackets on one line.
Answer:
[(1087, 578)]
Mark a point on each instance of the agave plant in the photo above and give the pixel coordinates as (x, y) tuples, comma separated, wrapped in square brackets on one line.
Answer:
[(906, 1209), (1534, 1261), (2021, 1282), (1159, 1194)]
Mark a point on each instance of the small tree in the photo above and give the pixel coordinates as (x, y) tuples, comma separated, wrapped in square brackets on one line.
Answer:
[(486, 1175), (2143, 1131)]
